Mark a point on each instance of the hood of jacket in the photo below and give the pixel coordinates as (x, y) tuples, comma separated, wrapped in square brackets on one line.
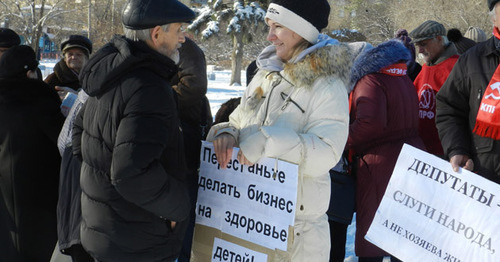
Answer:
[(119, 57), (374, 59), (327, 58)]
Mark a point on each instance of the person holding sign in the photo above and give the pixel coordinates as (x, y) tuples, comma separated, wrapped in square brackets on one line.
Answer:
[(468, 115), (384, 116), (295, 109)]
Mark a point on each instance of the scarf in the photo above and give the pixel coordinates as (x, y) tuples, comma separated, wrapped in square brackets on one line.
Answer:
[(488, 115)]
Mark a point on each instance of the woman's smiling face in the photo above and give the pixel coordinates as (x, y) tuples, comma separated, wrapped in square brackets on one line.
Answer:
[(284, 39)]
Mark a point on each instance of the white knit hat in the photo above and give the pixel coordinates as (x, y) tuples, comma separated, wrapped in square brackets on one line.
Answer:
[(306, 18)]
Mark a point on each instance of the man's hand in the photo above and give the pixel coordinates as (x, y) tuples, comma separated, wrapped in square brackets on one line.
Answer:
[(461, 161), (223, 146)]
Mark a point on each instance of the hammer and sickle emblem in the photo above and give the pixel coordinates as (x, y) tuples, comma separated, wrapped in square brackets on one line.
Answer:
[(495, 94)]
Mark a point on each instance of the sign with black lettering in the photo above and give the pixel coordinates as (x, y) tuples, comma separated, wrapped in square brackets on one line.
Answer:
[(246, 211), (431, 213)]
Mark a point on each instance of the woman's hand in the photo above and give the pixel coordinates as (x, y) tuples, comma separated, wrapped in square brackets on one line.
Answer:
[(243, 160), (223, 146)]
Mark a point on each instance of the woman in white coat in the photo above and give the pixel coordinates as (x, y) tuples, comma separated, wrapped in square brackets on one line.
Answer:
[(296, 110)]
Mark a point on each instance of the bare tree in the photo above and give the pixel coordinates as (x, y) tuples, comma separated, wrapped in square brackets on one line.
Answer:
[(30, 17)]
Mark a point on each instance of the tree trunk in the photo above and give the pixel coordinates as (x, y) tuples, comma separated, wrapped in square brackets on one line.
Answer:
[(38, 21), (236, 59)]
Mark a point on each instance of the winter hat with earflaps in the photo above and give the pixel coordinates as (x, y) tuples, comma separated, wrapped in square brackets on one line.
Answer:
[(16, 61), (306, 18)]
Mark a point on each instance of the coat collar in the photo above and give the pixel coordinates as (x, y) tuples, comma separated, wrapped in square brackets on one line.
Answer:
[(327, 58)]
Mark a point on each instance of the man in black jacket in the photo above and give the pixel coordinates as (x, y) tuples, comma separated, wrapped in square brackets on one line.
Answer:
[(135, 204), (468, 107)]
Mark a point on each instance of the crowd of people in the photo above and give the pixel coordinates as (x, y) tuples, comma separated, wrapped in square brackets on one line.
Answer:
[(114, 176)]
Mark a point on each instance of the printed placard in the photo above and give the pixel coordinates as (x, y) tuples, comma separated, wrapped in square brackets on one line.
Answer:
[(245, 204), (431, 213), (227, 251)]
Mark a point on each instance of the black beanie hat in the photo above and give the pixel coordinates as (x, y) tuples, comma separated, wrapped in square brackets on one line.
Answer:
[(8, 38), (144, 14), (78, 41), (16, 61), (492, 3), (461, 43), (306, 18)]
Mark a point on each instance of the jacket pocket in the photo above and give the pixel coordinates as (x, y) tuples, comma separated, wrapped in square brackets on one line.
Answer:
[(482, 144)]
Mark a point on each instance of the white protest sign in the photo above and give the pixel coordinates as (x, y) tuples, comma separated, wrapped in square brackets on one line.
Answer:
[(233, 252), (431, 213), (255, 203)]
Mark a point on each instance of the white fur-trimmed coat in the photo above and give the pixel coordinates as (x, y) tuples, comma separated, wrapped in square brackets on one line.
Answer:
[(299, 114)]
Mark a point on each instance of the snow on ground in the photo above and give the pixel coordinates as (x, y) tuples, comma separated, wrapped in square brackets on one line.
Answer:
[(219, 90)]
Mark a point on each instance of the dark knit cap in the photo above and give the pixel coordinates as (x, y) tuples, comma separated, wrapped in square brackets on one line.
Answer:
[(144, 14), (78, 41), (16, 61), (427, 30), (402, 35), (301, 16), (8, 38), (492, 3), (461, 43)]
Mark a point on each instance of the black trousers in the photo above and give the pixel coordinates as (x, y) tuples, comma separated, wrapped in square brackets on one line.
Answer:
[(338, 233)]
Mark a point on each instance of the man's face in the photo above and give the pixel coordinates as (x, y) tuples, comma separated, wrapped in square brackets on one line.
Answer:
[(170, 41), (430, 48), (75, 59), (496, 21)]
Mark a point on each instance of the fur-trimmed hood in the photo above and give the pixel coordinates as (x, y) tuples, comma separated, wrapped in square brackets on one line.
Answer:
[(372, 60), (328, 57)]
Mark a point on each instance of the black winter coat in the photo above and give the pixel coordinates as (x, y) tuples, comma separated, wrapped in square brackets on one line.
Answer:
[(457, 106), (190, 84), (128, 136), (30, 119)]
